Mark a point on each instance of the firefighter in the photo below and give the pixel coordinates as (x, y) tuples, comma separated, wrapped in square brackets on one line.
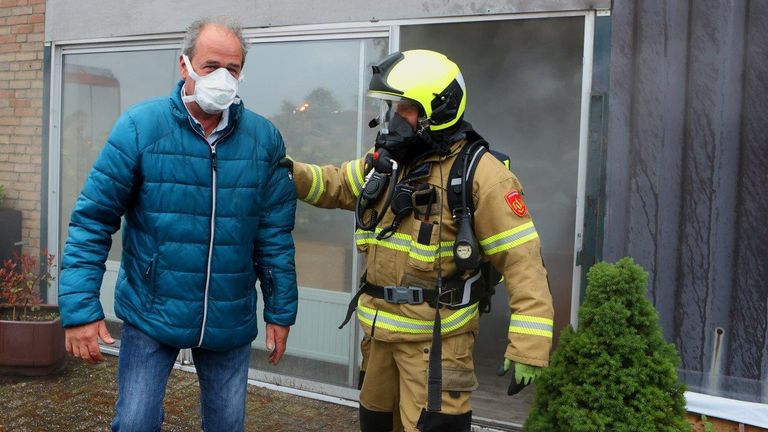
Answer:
[(420, 295)]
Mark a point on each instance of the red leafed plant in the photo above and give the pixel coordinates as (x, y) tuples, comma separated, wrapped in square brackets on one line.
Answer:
[(20, 279)]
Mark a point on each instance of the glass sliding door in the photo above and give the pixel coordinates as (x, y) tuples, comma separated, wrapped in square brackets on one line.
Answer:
[(314, 92), (524, 81)]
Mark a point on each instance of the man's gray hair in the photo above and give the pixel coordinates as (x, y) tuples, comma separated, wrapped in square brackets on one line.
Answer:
[(193, 32)]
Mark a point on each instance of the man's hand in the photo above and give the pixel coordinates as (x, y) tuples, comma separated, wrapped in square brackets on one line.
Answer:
[(277, 337), (83, 341), (524, 375)]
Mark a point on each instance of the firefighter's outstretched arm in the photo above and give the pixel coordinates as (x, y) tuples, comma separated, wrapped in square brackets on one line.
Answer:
[(328, 186)]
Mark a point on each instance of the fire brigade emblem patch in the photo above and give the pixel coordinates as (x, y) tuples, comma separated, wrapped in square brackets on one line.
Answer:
[(516, 203)]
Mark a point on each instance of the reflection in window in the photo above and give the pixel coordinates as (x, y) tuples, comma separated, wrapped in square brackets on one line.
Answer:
[(92, 104), (96, 88), (314, 93)]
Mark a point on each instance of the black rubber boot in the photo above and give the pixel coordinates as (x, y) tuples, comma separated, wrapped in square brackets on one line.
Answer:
[(431, 421), (360, 380), (375, 421)]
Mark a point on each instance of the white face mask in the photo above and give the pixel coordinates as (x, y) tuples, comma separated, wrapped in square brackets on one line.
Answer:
[(214, 92)]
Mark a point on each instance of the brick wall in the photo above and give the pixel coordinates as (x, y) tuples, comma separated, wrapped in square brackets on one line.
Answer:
[(22, 30)]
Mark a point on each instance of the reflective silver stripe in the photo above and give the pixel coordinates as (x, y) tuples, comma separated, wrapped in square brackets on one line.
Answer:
[(530, 325), (397, 241), (446, 249), (364, 236), (502, 243), (400, 242), (423, 252), (318, 185), (404, 243), (397, 323), (355, 177)]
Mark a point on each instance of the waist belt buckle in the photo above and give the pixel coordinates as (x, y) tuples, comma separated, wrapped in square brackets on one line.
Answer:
[(451, 297), (403, 295)]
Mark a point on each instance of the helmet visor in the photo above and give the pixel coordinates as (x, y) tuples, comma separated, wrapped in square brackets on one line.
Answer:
[(406, 108)]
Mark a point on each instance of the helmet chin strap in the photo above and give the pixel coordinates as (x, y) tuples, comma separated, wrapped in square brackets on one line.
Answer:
[(440, 147), (440, 141)]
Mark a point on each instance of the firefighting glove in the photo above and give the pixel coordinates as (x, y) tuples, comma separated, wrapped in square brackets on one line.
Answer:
[(524, 375)]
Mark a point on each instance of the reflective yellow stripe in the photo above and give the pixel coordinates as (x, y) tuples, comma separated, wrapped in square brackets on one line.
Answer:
[(531, 325), (401, 324), (509, 239), (317, 188), (355, 176), (405, 243)]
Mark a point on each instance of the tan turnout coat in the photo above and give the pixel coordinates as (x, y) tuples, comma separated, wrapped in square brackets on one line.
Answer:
[(503, 227)]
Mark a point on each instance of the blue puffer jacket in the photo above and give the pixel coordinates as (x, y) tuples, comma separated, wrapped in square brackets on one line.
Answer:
[(199, 227)]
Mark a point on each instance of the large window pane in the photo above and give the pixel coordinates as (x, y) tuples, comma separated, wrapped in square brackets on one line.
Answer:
[(523, 95), (96, 88), (314, 92)]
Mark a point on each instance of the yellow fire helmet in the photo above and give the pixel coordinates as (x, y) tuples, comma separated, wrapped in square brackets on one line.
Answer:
[(424, 77)]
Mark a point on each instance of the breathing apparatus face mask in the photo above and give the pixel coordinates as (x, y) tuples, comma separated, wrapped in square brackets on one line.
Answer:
[(397, 139), (393, 147), (214, 92)]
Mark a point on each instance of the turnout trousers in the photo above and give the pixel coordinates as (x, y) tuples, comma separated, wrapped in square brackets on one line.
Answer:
[(393, 396)]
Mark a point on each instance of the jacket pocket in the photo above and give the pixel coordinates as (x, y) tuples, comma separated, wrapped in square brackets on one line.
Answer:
[(150, 278), (457, 362), (424, 248)]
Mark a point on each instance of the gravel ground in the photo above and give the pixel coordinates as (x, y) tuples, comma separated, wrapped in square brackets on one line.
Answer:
[(81, 397)]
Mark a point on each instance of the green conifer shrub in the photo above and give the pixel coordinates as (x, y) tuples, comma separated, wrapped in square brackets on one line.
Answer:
[(616, 372)]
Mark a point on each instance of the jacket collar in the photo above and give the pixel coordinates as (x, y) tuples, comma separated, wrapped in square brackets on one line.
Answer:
[(454, 149)]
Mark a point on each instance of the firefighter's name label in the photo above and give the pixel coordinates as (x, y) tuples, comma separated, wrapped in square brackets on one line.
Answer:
[(516, 203)]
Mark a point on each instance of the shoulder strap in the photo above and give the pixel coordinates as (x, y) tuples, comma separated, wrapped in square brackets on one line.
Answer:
[(469, 155), (474, 150), (503, 158)]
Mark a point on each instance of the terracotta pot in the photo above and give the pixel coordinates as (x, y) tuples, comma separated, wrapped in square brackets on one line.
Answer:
[(31, 347)]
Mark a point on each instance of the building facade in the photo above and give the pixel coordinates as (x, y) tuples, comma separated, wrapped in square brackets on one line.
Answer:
[(629, 141)]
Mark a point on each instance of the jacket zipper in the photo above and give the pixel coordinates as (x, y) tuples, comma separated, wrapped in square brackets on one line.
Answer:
[(149, 276), (148, 273), (271, 282), (214, 164)]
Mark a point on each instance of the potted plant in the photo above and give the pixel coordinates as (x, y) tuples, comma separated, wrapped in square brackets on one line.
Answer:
[(31, 336), (10, 228), (615, 372)]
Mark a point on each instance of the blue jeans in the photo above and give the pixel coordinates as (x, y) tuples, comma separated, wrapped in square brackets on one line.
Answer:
[(142, 375)]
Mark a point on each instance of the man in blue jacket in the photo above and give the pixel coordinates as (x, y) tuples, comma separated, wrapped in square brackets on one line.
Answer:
[(207, 211)]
